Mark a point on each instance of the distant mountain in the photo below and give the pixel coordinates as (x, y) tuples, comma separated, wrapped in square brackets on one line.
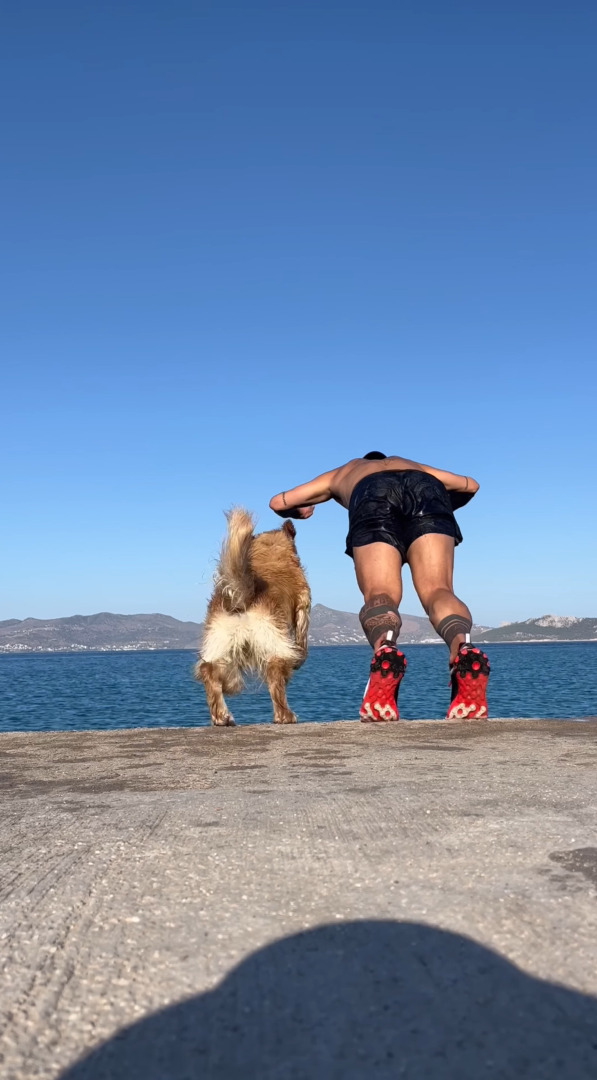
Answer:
[(546, 628), (106, 632), (330, 627)]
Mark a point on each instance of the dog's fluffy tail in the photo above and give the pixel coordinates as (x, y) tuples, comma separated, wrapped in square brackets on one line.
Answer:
[(234, 576)]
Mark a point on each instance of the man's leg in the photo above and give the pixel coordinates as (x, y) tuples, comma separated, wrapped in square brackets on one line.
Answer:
[(378, 569), (431, 561)]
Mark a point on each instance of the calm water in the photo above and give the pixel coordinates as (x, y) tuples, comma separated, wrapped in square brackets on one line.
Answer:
[(155, 689)]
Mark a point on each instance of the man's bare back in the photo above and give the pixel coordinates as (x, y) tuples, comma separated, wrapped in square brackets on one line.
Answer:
[(346, 477), (338, 484)]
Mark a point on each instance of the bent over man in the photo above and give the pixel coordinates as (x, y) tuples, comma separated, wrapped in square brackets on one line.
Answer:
[(401, 511)]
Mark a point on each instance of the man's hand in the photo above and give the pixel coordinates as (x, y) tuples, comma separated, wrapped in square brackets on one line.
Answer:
[(299, 513)]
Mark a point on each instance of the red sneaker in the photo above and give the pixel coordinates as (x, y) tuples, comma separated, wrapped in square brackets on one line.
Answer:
[(381, 693), (469, 674)]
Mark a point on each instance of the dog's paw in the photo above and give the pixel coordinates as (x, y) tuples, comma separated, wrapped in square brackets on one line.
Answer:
[(285, 718), (226, 720)]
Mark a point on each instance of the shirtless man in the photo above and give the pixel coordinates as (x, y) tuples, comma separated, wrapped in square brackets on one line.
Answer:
[(401, 511)]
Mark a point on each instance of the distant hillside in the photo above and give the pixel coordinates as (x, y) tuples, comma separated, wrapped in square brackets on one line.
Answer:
[(546, 628), (330, 627), (106, 632)]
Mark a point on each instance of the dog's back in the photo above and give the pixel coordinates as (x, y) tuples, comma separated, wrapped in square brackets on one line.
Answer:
[(282, 586)]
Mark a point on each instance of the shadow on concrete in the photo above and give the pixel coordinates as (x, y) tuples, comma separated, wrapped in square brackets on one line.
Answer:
[(357, 1000)]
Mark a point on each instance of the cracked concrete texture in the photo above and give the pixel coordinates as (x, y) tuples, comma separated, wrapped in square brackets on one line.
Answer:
[(326, 900)]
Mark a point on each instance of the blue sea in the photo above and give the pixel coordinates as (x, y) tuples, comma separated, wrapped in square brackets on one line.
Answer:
[(84, 691)]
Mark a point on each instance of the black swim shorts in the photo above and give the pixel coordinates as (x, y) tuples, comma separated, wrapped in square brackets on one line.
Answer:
[(397, 506)]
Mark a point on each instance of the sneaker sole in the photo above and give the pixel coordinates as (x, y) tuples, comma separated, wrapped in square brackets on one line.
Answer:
[(470, 673), (380, 701)]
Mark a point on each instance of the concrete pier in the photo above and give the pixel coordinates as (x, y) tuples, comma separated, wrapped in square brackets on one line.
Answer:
[(321, 901)]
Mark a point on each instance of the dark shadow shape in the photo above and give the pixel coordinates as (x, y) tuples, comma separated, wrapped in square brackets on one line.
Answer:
[(578, 861), (359, 1000)]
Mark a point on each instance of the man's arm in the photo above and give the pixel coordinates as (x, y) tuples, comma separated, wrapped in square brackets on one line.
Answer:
[(451, 481), (460, 488), (298, 502)]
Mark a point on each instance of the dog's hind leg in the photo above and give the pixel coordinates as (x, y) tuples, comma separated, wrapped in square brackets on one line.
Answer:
[(277, 674), (211, 675), (301, 622)]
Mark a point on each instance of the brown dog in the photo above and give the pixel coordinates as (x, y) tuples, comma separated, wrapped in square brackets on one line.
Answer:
[(257, 619)]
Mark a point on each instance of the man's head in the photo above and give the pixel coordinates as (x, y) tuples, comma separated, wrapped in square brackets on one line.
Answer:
[(374, 455)]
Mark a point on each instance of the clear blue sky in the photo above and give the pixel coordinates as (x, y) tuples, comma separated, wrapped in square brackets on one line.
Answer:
[(244, 242)]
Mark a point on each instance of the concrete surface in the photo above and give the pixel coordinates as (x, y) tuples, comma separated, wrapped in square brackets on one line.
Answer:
[(323, 901)]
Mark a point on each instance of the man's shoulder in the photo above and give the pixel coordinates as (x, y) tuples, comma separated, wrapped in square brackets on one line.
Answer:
[(350, 464), (345, 470)]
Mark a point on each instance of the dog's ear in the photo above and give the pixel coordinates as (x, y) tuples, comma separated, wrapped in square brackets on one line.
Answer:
[(289, 529)]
